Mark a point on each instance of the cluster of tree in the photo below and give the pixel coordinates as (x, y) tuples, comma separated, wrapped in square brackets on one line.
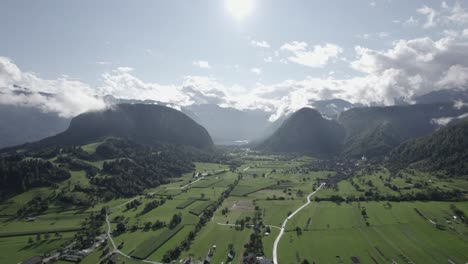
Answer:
[(139, 167), (133, 204), (91, 227), (46, 236), (175, 220), (430, 194), (34, 206), (77, 165), (255, 244), (76, 198), (152, 205), (18, 174)]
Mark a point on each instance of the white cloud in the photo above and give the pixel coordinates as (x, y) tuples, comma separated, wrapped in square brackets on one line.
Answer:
[(268, 59), (455, 76), (364, 36), (409, 68), (65, 97), (103, 62), (430, 14), (257, 71), (410, 22), (465, 33), (459, 104), (373, 4), (443, 121), (383, 34), (458, 14), (318, 57), (202, 64), (260, 44)]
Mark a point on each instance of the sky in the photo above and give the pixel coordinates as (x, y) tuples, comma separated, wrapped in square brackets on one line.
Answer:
[(274, 55)]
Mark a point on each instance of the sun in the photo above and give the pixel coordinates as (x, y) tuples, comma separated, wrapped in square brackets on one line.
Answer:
[(239, 9)]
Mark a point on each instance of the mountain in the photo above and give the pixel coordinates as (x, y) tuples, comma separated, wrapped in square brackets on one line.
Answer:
[(375, 131), (19, 124), (230, 126), (443, 96), (226, 125), (331, 108), (446, 149), (145, 124), (306, 131)]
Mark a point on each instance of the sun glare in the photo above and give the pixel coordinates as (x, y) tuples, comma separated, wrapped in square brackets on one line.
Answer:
[(239, 9)]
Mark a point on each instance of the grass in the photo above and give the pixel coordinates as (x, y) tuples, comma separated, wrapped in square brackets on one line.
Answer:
[(207, 182), (186, 203), (151, 244), (169, 192), (397, 233), (91, 148), (171, 243), (250, 185), (49, 222), (275, 211), (17, 249), (221, 236), (198, 210)]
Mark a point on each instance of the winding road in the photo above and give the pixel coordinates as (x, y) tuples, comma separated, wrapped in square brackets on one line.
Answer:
[(283, 226)]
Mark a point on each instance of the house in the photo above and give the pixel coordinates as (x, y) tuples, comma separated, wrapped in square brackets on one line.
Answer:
[(231, 254), (263, 260)]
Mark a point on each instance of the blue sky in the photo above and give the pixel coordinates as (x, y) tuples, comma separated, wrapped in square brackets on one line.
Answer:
[(277, 57)]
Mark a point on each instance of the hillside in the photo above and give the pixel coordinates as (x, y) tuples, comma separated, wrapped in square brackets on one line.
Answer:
[(445, 149), (19, 124), (375, 131), (144, 124), (305, 131)]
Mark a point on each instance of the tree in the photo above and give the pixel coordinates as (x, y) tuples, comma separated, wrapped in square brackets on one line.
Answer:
[(121, 227), (176, 219), (298, 231)]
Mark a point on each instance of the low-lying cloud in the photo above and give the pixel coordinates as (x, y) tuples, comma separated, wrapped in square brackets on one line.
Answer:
[(65, 97)]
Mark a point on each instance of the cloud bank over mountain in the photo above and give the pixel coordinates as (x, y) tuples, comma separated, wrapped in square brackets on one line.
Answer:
[(409, 68)]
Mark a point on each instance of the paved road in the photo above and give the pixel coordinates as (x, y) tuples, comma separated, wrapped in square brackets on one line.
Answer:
[(283, 226)]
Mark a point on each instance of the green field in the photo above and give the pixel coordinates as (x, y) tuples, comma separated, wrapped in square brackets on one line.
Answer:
[(273, 187), (221, 237), (148, 246), (200, 207), (333, 232)]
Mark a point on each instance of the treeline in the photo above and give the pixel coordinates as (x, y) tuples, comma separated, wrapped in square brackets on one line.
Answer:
[(18, 174), (431, 194), (132, 167), (444, 150)]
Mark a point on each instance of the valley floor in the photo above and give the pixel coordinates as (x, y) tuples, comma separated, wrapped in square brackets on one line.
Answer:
[(247, 208)]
